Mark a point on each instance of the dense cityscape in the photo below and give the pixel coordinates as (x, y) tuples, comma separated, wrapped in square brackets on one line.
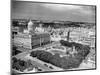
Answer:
[(44, 46), (52, 37)]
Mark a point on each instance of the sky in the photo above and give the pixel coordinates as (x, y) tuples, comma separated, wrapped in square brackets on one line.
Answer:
[(47, 11)]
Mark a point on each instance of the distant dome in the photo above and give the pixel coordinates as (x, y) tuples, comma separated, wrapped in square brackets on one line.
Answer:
[(30, 23), (30, 26)]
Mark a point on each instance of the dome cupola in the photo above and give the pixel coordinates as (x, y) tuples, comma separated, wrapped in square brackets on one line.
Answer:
[(30, 25)]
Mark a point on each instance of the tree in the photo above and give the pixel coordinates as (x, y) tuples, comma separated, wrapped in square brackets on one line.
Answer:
[(56, 60), (68, 35)]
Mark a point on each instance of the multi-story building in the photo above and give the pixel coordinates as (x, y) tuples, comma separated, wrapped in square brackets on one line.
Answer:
[(31, 38)]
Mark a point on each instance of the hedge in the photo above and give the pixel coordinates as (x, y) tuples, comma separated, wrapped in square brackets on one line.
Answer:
[(82, 50), (64, 62)]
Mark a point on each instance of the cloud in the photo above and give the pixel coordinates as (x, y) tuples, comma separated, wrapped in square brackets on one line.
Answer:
[(74, 8), (60, 7)]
